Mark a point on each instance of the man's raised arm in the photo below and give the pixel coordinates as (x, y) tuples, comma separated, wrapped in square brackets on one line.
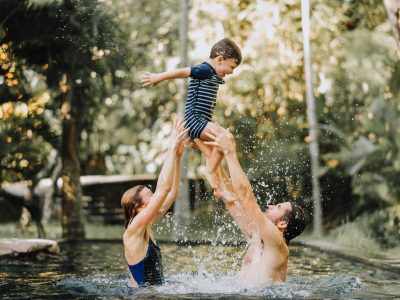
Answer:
[(225, 142)]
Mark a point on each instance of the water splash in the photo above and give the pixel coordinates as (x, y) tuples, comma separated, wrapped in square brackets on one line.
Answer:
[(204, 283)]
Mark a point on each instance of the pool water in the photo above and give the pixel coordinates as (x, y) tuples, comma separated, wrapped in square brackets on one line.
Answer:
[(98, 271)]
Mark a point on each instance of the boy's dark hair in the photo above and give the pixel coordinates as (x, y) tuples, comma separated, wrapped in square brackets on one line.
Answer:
[(296, 222), (228, 49)]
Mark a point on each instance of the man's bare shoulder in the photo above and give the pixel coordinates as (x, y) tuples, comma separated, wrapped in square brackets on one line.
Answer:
[(272, 237)]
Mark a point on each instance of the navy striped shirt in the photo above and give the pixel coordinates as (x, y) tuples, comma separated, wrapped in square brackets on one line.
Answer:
[(202, 95)]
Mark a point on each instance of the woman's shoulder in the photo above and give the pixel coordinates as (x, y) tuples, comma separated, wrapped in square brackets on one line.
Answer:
[(133, 232), (134, 244), (135, 227)]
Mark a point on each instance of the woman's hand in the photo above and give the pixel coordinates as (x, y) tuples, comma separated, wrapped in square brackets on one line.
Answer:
[(178, 137), (204, 149), (182, 146)]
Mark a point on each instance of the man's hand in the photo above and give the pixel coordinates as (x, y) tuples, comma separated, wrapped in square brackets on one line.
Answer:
[(204, 149), (223, 140), (151, 79)]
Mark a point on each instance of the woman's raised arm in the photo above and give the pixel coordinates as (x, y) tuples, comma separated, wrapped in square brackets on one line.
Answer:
[(175, 184), (165, 179)]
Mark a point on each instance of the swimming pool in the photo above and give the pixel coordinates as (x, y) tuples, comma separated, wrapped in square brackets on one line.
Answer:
[(98, 271)]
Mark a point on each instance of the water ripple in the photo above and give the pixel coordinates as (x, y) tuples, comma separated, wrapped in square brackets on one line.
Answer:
[(203, 284)]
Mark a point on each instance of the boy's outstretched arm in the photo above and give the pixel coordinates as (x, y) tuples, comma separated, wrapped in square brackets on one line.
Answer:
[(153, 79)]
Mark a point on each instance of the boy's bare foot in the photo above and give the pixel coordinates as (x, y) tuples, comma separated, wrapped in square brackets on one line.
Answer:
[(194, 145), (224, 195), (227, 196), (209, 176)]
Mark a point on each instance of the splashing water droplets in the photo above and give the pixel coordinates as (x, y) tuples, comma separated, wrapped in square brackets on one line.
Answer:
[(204, 283)]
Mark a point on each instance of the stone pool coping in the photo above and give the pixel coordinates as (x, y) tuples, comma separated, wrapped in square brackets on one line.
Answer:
[(391, 264), (12, 247)]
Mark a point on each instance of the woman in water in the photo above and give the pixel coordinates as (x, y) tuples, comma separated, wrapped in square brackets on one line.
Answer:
[(142, 209)]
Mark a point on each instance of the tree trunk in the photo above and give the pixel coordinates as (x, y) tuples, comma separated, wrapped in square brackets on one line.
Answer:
[(181, 209), (52, 192), (72, 217), (393, 11), (312, 119)]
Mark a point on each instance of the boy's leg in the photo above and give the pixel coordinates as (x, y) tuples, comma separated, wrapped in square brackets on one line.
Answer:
[(216, 155), (204, 149), (207, 152), (215, 158), (222, 189)]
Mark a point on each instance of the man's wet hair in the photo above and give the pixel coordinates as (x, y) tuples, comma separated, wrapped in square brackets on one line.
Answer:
[(228, 49), (296, 222)]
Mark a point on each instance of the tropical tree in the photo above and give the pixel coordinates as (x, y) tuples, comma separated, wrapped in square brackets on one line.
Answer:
[(312, 119), (128, 132), (182, 202), (353, 63), (393, 11), (72, 44)]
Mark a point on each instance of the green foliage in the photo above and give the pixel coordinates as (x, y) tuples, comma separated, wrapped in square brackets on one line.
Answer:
[(355, 236), (52, 40), (383, 225), (26, 146), (123, 126), (28, 131), (136, 115), (355, 70), (280, 172)]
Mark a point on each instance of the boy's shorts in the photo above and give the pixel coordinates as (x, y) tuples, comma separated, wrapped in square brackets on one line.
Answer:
[(196, 125)]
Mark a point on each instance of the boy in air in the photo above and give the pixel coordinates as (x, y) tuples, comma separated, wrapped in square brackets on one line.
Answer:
[(206, 77)]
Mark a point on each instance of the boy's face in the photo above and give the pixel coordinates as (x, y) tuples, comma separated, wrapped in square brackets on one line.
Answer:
[(224, 66)]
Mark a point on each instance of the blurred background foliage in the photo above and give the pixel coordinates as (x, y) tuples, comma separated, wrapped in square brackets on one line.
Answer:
[(122, 127)]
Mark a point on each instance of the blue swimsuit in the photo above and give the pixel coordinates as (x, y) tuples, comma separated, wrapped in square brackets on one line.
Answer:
[(202, 95), (149, 271)]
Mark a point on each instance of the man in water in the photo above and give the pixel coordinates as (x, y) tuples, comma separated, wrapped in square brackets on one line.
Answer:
[(266, 258)]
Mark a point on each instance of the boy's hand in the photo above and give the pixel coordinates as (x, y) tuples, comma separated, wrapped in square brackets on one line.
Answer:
[(151, 79)]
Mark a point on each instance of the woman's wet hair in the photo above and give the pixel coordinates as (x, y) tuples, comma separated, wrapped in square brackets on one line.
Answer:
[(296, 222), (228, 49), (130, 202)]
